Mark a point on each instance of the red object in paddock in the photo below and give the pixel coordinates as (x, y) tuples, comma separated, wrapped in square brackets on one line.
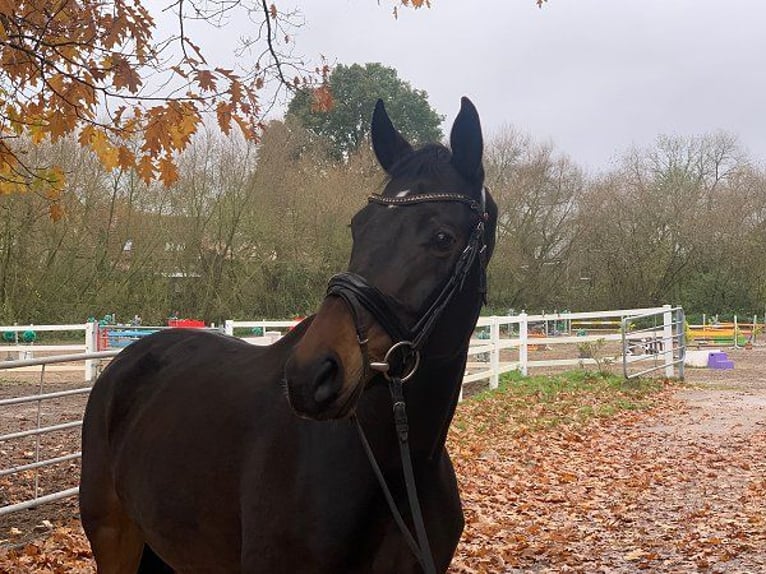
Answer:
[(186, 323)]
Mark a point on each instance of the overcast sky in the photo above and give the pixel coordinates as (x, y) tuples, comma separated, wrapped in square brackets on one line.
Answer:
[(594, 77)]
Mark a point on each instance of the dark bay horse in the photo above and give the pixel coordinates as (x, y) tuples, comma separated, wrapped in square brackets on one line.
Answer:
[(204, 454)]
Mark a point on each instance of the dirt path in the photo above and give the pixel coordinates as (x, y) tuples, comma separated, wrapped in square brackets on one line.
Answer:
[(730, 402), (715, 441)]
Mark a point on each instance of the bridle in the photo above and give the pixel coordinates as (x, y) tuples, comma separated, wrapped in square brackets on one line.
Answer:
[(402, 359), (359, 294)]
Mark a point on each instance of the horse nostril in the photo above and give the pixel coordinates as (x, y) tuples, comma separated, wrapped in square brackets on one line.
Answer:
[(327, 382)]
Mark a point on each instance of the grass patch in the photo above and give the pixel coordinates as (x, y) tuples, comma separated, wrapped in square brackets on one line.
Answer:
[(545, 401)]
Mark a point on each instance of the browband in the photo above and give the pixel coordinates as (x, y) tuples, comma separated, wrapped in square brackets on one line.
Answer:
[(478, 207)]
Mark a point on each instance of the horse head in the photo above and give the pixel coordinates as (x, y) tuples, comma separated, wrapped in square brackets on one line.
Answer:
[(416, 277)]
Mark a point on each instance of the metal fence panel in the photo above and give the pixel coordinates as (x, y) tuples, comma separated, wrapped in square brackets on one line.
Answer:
[(661, 345)]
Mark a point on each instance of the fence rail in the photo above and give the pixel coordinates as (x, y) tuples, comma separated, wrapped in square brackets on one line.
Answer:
[(500, 344), (28, 350)]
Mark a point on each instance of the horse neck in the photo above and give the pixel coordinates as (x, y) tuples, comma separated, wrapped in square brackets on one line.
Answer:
[(432, 394), (431, 401), (431, 397)]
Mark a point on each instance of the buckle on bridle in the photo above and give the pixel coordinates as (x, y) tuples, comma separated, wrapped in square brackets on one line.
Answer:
[(384, 367)]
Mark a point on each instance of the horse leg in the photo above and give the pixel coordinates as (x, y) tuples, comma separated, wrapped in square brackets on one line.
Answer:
[(116, 541)]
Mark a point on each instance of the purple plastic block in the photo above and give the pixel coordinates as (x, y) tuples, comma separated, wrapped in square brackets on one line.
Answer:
[(719, 360)]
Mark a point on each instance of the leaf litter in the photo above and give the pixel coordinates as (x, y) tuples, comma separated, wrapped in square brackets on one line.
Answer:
[(573, 475)]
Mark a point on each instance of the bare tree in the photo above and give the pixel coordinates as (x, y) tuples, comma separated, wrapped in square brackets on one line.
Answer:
[(537, 192)]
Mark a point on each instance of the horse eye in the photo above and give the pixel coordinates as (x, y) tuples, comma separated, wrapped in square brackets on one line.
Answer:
[(443, 240)]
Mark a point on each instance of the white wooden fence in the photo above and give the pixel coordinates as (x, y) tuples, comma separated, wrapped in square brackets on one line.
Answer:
[(21, 351), (502, 343), (503, 333), (508, 341)]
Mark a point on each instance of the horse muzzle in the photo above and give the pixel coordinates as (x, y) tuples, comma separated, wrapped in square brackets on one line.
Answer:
[(315, 387), (327, 372)]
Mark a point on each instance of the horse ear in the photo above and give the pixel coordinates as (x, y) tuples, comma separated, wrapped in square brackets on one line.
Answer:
[(467, 143), (389, 145)]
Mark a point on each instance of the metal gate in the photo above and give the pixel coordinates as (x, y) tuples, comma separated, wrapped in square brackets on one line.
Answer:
[(654, 341), (26, 475)]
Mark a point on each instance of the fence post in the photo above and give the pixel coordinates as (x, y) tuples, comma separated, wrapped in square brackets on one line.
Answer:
[(228, 327), (736, 333), (681, 342), (624, 332), (667, 340), (91, 346), (523, 350), (494, 353)]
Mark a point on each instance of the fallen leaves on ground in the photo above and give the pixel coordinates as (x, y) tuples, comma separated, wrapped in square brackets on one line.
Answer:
[(612, 494), (64, 551), (570, 478)]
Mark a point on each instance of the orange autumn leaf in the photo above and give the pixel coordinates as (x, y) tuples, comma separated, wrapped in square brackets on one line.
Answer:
[(236, 91), (124, 75), (322, 100), (106, 152), (224, 115), (125, 158), (145, 168), (206, 80), (168, 171)]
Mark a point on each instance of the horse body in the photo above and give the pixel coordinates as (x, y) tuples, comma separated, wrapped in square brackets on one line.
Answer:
[(194, 457), (269, 492)]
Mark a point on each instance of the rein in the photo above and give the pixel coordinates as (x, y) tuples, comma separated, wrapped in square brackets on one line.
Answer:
[(408, 343)]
